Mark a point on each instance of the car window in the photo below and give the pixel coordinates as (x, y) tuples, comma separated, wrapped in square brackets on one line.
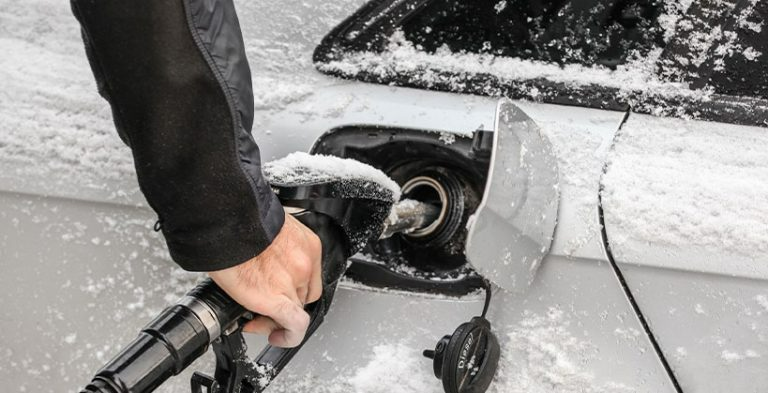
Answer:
[(559, 31), (722, 46), (741, 67), (698, 59)]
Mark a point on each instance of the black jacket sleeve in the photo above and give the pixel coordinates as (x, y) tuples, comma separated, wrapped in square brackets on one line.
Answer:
[(176, 77)]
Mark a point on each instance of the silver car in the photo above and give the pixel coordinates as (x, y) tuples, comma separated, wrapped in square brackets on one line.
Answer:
[(655, 246)]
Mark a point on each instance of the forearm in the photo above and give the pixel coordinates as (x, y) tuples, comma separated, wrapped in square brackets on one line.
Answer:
[(178, 83)]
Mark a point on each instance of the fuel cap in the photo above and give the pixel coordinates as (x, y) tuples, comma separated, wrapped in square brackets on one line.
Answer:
[(466, 361)]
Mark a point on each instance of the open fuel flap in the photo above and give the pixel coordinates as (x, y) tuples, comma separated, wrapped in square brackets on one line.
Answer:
[(512, 229), (494, 191)]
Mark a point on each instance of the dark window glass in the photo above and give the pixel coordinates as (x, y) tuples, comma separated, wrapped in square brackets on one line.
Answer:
[(723, 46), (587, 32), (743, 68)]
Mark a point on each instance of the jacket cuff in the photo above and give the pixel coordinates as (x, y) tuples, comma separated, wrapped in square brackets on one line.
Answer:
[(225, 245)]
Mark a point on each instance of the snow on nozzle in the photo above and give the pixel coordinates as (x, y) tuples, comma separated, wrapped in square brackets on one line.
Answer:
[(357, 196)]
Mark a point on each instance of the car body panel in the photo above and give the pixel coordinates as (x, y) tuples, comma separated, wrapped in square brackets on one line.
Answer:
[(688, 232), (572, 331), (82, 278), (712, 329), (112, 274)]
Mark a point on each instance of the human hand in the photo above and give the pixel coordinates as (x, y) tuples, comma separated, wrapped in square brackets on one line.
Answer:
[(277, 283)]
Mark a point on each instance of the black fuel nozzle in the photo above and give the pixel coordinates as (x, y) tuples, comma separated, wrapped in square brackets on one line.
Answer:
[(344, 213), (183, 331)]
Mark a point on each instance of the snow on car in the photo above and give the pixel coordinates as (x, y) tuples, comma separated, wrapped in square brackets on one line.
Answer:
[(656, 111)]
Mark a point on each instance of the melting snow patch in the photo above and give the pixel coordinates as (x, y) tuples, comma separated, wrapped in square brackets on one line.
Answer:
[(274, 94), (393, 365), (448, 138), (751, 54), (730, 357), (762, 300), (53, 124), (541, 355)]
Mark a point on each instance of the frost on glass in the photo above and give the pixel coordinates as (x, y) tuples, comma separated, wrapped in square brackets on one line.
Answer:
[(673, 57), (570, 32)]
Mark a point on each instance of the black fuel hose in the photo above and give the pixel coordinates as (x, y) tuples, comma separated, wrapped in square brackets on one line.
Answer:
[(170, 343)]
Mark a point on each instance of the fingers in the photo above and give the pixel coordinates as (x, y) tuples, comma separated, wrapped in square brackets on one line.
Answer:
[(316, 281), (302, 293), (293, 320), (278, 283), (261, 325), (278, 336), (285, 338), (314, 287)]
